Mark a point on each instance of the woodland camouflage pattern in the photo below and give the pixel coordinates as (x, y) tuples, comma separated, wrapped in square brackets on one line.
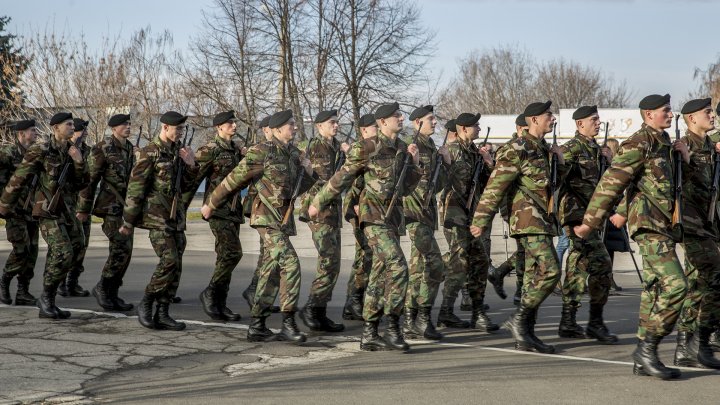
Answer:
[(323, 153), (216, 160), (464, 156), (109, 165)]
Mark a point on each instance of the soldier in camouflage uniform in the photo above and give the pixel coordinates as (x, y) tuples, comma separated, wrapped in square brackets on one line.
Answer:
[(48, 160), (360, 271), (588, 258), (700, 312), (274, 167), (451, 129), (20, 227), (109, 165), (525, 163), (645, 161), (380, 161), (468, 259), (324, 152), (151, 194), (426, 269), (217, 159)]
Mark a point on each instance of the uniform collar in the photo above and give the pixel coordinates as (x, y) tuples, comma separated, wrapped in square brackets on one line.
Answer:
[(225, 144), (662, 136)]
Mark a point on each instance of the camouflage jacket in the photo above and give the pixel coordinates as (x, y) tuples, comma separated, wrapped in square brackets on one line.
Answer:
[(71, 198), (524, 166), (273, 170), (217, 159), (697, 181), (323, 153), (46, 159), (583, 172), (10, 157), (151, 189), (644, 161), (352, 198), (109, 165), (379, 161), (465, 157), (506, 204), (413, 203)]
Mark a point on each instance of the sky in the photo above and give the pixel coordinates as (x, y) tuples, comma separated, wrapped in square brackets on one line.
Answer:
[(654, 46)]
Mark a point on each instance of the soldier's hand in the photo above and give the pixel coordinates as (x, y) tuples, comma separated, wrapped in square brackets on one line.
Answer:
[(555, 149), (188, 156), (486, 156), (356, 208), (415, 153), (476, 231), (607, 152), (618, 220), (313, 212), (344, 147), (75, 154), (445, 153), (243, 150), (125, 231), (717, 147), (206, 211), (683, 149), (307, 164), (582, 231), (82, 216)]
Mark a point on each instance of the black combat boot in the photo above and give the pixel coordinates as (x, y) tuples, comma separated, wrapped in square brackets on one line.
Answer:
[(596, 328), (118, 303), (249, 292), (568, 327), (309, 315), (425, 325), (5, 297), (162, 317), (409, 329), (447, 318), (518, 292), (538, 344), (290, 331), (682, 357), (23, 296), (327, 324), (465, 301), (518, 326), (145, 311), (370, 340), (354, 306), (496, 277), (715, 340), (393, 337), (73, 288), (699, 351), (480, 320), (208, 299), (258, 332), (646, 360), (227, 313), (102, 294), (175, 300), (46, 303)]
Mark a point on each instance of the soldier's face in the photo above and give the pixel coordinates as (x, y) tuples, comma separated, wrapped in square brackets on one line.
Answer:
[(660, 118), (122, 130), (369, 132), (227, 128), (65, 129), (469, 133), (286, 133), (27, 137), (589, 126), (703, 119), (545, 121), (174, 132), (392, 124), (428, 124), (328, 128)]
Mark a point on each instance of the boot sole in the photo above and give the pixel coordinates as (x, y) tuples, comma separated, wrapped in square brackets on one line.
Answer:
[(259, 338), (639, 371), (25, 303), (571, 335), (453, 325), (373, 348), (601, 340), (352, 318), (281, 338), (171, 328)]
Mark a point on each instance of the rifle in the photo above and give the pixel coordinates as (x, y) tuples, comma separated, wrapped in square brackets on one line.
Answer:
[(62, 180), (401, 177), (552, 201), (179, 166), (469, 205), (677, 221), (296, 189), (137, 142), (31, 189), (714, 188), (435, 175), (341, 160), (626, 237)]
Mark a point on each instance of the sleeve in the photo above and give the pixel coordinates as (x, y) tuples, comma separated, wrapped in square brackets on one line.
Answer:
[(355, 163), (96, 167), (30, 166), (239, 177), (140, 178), (507, 169)]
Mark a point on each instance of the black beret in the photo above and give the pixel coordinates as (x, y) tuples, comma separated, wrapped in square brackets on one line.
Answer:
[(79, 124), (264, 122), (520, 121), (367, 120), (467, 119), (584, 112), (118, 119), (23, 125), (325, 115), (173, 118), (535, 109), (696, 105), (450, 125), (223, 117), (280, 118), (421, 112), (386, 110), (654, 101), (60, 117)]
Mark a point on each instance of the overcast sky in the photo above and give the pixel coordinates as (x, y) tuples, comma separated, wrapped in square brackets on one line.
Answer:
[(653, 45)]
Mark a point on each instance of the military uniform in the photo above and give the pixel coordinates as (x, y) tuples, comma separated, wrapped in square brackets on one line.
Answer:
[(362, 263)]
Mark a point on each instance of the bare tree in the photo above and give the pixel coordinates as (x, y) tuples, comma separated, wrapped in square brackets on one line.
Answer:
[(571, 85), (708, 81)]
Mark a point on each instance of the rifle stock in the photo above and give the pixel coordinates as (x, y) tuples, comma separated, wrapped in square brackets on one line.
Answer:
[(179, 166), (341, 159), (677, 221), (401, 178), (296, 190), (137, 142), (31, 190), (470, 203), (62, 180)]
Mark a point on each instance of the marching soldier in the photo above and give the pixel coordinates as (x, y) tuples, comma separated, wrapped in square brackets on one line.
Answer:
[(109, 165), (20, 227), (323, 152), (701, 309), (379, 160), (588, 258), (217, 159), (525, 163), (274, 168), (645, 161), (360, 271), (60, 169), (451, 129), (151, 194)]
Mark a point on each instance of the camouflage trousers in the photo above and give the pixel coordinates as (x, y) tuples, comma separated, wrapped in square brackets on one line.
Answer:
[(169, 246), (426, 269), (279, 272), (228, 249), (80, 236), (388, 280), (467, 261), (120, 248), (542, 270), (23, 235), (701, 308), (664, 285), (60, 251), (327, 243), (588, 260), (362, 264)]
